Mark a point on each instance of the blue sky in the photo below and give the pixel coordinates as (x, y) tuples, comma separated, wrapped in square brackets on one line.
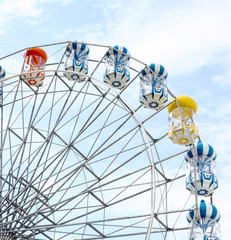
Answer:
[(191, 38)]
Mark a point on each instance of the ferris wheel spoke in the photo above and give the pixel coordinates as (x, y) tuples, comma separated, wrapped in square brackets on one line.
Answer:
[(102, 207), (130, 226), (163, 190), (77, 115), (22, 148), (129, 115), (80, 111), (31, 222), (87, 124), (16, 218), (10, 116), (57, 190), (33, 201), (22, 191), (163, 199), (101, 129), (102, 158), (73, 102), (100, 190), (127, 187), (107, 139), (116, 169), (97, 188), (97, 152), (49, 110), (114, 158)]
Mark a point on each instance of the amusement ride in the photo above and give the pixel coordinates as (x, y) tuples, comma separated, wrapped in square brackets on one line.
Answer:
[(94, 145)]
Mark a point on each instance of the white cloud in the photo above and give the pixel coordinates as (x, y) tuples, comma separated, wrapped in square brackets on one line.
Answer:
[(13, 10), (223, 79), (183, 37), (29, 10)]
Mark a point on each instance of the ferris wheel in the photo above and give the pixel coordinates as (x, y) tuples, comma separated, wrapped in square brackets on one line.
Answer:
[(88, 152)]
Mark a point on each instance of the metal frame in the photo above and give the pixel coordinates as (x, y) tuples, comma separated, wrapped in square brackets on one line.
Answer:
[(28, 209)]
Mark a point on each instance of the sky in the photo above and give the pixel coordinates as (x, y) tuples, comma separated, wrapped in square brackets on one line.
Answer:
[(191, 38)]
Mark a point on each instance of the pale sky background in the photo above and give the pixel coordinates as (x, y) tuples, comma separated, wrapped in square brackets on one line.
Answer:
[(191, 38)]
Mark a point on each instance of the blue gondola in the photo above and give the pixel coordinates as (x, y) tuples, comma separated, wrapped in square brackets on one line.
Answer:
[(203, 156), (77, 54), (153, 93), (117, 72), (206, 226), (2, 72)]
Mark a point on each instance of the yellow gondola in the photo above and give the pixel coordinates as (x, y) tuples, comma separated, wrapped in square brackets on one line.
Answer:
[(178, 132)]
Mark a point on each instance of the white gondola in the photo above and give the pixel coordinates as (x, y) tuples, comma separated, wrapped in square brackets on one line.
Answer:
[(76, 64), (117, 72), (206, 226), (203, 157), (153, 93)]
